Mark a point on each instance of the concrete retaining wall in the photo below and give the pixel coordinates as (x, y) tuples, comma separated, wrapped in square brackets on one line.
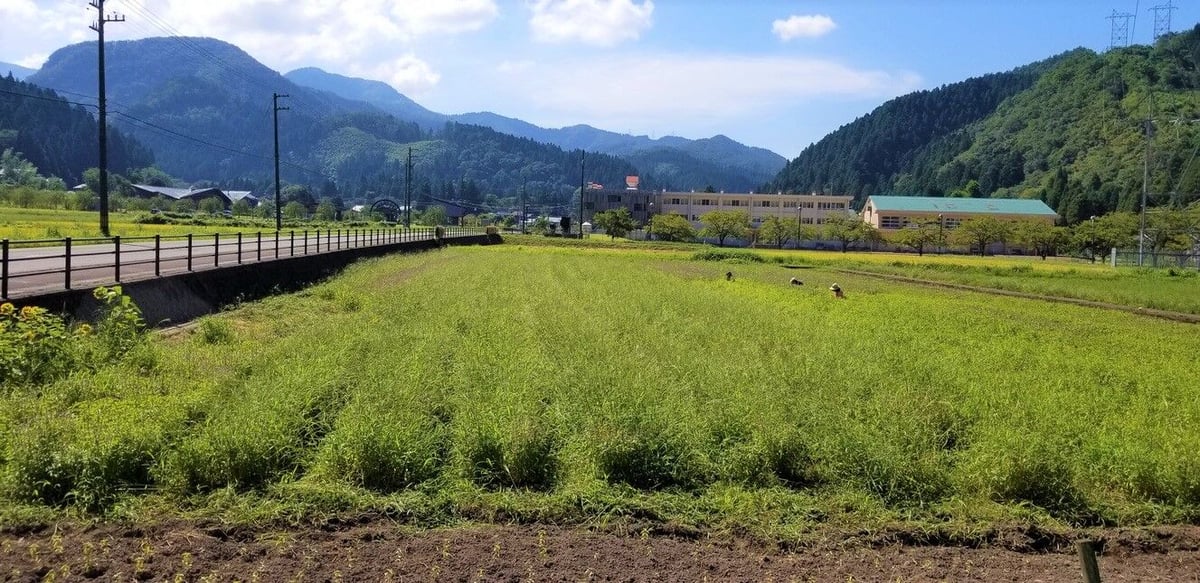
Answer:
[(178, 298)]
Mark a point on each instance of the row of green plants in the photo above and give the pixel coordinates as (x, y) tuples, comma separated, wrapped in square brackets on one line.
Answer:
[(39, 347), (664, 390)]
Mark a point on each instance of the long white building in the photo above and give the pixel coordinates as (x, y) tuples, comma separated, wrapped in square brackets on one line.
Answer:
[(810, 208)]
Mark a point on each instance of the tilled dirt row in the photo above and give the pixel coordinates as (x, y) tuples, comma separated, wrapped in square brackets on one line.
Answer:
[(380, 551)]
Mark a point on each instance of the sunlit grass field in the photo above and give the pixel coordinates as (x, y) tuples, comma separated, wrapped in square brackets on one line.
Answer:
[(573, 385), (1175, 289), (22, 224)]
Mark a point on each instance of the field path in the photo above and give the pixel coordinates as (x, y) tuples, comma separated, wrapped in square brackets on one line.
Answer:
[(1165, 314)]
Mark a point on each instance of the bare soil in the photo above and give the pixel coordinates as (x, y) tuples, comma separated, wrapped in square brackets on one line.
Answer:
[(377, 550)]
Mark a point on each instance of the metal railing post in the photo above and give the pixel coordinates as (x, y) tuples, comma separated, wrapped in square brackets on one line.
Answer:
[(117, 258), (67, 260), (328, 236), (239, 247), (258, 253), (306, 241), (189, 252), (277, 244), (216, 249), (4, 269), (157, 255)]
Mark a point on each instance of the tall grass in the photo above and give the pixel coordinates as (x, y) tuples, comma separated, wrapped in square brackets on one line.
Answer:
[(579, 384)]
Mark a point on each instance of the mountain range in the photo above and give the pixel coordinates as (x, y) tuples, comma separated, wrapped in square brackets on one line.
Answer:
[(18, 72), (204, 107), (674, 162), (1069, 130)]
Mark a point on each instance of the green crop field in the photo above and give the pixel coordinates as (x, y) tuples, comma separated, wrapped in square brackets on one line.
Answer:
[(1173, 289), (19, 224), (23, 224), (584, 386)]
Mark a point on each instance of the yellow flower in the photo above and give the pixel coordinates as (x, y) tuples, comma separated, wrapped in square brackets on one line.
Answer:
[(84, 330), (27, 312), (7, 309)]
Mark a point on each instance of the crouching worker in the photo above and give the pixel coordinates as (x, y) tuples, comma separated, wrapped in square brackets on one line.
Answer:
[(837, 292)]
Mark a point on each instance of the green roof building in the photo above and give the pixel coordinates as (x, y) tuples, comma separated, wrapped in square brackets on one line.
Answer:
[(897, 212)]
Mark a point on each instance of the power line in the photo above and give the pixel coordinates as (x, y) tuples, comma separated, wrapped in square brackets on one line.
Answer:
[(172, 32), (51, 99)]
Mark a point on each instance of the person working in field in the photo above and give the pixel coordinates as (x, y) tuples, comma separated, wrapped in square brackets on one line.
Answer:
[(837, 291)]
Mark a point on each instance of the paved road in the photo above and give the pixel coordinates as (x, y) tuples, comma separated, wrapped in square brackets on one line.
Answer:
[(44, 269)]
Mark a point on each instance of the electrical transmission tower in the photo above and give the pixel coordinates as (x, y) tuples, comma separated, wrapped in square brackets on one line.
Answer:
[(1162, 18), (102, 105), (1120, 29)]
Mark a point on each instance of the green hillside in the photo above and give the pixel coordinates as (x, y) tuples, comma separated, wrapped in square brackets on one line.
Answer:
[(57, 137), (1067, 130)]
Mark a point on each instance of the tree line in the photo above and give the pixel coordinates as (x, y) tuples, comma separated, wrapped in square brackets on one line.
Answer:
[(1167, 230)]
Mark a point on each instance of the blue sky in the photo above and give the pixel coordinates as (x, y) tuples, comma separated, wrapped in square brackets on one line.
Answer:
[(775, 74)]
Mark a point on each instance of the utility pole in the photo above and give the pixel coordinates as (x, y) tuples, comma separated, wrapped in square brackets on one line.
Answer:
[(582, 186), (98, 26), (408, 190), (524, 210), (278, 210)]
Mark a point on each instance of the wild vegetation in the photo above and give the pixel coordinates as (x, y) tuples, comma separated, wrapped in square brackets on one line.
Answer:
[(602, 385)]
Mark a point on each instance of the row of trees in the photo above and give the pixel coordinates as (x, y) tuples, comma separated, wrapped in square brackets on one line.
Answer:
[(1166, 230)]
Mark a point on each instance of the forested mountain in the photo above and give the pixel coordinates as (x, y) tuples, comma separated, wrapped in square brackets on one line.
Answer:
[(204, 107), (678, 162), (18, 72), (376, 93), (58, 138), (1067, 130)]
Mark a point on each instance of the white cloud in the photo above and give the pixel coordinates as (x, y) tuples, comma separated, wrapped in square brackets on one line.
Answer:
[(514, 66), (641, 90), (407, 73), (595, 22), (33, 61), (30, 30), (283, 34), (807, 26)]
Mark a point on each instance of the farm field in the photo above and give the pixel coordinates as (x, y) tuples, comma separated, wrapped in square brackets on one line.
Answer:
[(621, 411), (1163, 289), (1175, 290), (569, 386), (37, 224)]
